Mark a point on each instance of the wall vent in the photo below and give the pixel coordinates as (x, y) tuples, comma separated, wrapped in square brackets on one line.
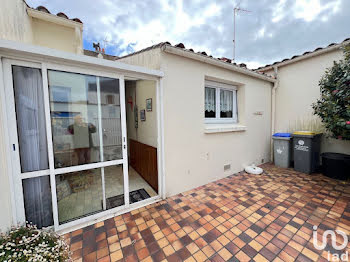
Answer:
[(227, 167)]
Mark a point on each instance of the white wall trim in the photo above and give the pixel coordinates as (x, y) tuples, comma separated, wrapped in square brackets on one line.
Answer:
[(53, 18), (160, 139), (223, 128), (37, 52), (7, 143)]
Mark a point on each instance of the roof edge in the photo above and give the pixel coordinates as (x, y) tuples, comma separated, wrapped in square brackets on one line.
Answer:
[(305, 55), (10, 48), (179, 49), (53, 18), (145, 49), (215, 61)]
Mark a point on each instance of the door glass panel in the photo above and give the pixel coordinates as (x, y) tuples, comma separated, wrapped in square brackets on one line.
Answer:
[(114, 184), (79, 194), (111, 122), (74, 117), (37, 201), (29, 102)]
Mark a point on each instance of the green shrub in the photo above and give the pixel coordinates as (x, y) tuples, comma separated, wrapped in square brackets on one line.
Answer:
[(333, 107), (27, 243)]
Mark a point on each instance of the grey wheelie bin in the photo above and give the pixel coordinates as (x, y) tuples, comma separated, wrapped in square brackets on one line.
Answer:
[(282, 149), (306, 147)]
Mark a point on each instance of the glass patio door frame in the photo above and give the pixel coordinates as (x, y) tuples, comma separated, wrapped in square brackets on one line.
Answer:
[(18, 176)]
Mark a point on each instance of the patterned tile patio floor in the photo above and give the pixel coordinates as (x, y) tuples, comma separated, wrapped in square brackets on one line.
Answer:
[(239, 218)]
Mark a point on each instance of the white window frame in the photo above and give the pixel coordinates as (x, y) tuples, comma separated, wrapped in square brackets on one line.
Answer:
[(218, 120)]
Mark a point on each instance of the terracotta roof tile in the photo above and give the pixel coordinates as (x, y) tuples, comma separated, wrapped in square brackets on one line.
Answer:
[(60, 14), (305, 53), (180, 45), (77, 20), (201, 53), (43, 9)]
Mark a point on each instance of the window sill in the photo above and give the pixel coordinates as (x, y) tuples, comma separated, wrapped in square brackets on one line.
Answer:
[(223, 128)]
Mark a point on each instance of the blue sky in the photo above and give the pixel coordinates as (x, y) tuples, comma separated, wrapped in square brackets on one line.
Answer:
[(273, 30)]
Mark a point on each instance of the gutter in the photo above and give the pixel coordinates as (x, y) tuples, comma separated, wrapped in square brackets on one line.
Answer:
[(273, 107), (302, 57), (213, 61)]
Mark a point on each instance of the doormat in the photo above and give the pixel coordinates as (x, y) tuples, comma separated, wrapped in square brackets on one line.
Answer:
[(135, 196)]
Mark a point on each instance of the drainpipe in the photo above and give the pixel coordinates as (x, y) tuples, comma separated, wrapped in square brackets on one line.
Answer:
[(273, 106)]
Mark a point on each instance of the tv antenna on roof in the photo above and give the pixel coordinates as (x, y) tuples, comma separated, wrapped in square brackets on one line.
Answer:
[(107, 42), (236, 10)]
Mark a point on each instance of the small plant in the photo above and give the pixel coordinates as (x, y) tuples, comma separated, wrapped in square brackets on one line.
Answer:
[(27, 243), (307, 123), (334, 105)]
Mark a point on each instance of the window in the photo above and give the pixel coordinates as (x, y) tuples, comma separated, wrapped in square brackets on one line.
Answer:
[(220, 103), (110, 99)]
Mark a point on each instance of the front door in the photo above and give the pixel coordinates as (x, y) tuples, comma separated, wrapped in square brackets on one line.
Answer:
[(67, 131)]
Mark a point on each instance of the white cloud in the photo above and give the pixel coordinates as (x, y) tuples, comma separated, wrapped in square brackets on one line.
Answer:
[(311, 9), (279, 11), (169, 23), (207, 25), (261, 33), (308, 10), (253, 64)]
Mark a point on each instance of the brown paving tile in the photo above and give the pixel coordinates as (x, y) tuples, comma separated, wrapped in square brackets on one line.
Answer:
[(168, 250), (116, 256), (158, 256), (90, 257), (241, 217), (260, 258), (225, 254), (77, 232), (192, 248), (184, 253), (114, 247), (216, 245), (131, 258), (104, 259), (102, 252), (76, 246), (217, 258), (241, 256), (200, 256)]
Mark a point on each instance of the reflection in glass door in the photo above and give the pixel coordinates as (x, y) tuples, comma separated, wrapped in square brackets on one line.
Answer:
[(87, 143)]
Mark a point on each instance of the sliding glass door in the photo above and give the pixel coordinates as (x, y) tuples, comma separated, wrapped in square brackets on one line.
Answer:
[(86, 129), (68, 138)]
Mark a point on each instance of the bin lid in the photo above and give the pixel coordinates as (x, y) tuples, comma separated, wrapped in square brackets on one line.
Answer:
[(305, 133), (281, 134)]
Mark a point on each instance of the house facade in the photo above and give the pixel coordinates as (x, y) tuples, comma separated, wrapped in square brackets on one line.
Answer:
[(85, 136), (19, 22), (197, 149), (298, 88)]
